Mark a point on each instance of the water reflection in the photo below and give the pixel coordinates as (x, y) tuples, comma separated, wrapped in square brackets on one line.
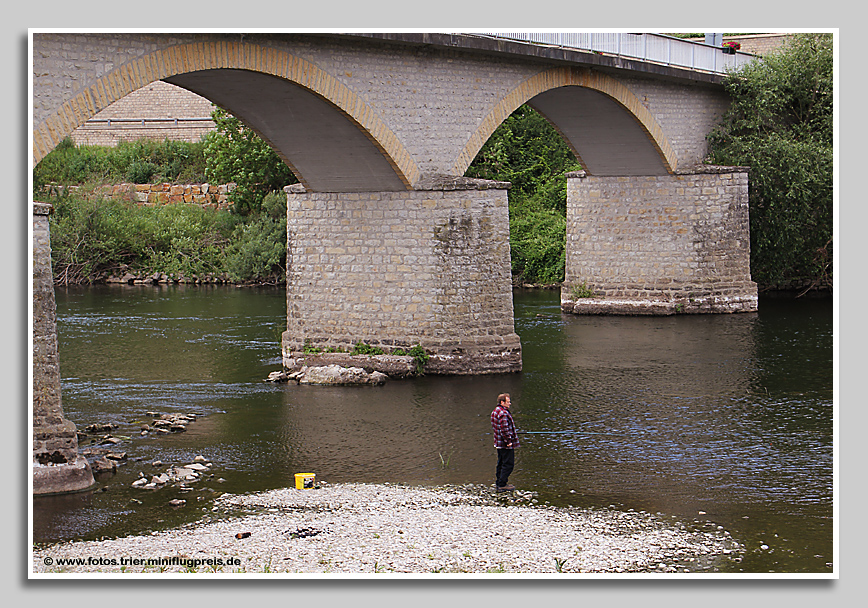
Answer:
[(726, 414)]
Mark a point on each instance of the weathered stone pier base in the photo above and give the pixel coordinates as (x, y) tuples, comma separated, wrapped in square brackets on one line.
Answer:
[(659, 245), (395, 269), (57, 466)]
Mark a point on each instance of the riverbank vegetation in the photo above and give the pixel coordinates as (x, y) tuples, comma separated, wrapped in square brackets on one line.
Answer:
[(780, 125), (528, 152), (94, 238)]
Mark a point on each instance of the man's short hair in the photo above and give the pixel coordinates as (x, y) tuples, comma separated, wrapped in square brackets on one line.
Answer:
[(502, 397)]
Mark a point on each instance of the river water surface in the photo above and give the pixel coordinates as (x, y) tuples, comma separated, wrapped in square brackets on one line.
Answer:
[(726, 419)]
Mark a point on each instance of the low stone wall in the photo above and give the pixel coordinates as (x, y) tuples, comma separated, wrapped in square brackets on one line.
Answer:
[(659, 244), (396, 269), (760, 44), (206, 195)]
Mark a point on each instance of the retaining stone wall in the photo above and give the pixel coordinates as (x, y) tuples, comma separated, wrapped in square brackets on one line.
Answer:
[(156, 111), (395, 269), (206, 195), (659, 244)]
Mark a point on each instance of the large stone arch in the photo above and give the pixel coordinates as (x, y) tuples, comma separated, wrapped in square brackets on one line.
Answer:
[(598, 116), (366, 140)]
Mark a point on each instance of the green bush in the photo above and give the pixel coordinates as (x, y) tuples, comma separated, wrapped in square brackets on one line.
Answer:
[(140, 172), (68, 164), (140, 162), (93, 238), (780, 124), (258, 248), (537, 242)]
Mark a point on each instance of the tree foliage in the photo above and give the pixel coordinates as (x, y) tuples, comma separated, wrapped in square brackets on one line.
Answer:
[(780, 124), (528, 152), (235, 153)]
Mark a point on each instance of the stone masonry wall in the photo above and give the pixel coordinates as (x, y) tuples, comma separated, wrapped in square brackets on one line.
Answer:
[(156, 111), (760, 44), (660, 244), (395, 269), (47, 411)]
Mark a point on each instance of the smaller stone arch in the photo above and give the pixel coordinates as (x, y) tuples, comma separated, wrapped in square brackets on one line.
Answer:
[(542, 86), (170, 62)]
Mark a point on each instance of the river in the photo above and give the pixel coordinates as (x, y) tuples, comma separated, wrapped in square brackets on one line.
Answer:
[(722, 419)]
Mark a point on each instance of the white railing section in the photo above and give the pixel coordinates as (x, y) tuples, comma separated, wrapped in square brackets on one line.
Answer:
[(653, 48)]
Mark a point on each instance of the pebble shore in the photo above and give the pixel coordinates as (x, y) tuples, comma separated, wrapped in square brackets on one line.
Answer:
[(368, 529)]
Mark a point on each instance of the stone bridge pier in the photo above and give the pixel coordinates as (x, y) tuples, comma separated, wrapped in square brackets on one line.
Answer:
[(429, 266), (659, 245), (57, 465)]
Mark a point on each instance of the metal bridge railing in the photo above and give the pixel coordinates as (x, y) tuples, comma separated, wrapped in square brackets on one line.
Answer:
[(654, 48)]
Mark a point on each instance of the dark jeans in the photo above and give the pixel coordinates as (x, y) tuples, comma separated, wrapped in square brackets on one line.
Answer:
[(505, 465)]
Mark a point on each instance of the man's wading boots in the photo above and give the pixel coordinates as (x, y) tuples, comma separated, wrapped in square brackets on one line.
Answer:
[(507, 488)]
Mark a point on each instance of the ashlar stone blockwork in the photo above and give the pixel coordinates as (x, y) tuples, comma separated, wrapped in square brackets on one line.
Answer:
[(659, 244), (396, 269)]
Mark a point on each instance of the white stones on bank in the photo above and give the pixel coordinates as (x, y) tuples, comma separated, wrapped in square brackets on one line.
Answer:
[(368, 529), (174, 475)]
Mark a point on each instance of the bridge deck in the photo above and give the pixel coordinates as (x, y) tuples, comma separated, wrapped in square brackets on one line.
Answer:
[(654, 54)]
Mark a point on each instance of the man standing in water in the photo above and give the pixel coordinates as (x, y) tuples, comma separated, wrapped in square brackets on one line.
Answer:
[(505, 441)]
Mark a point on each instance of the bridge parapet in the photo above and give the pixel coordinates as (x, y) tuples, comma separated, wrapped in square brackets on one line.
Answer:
[(652, 48)]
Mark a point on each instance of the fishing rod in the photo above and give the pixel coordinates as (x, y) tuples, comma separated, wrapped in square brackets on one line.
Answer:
[(563, 433)]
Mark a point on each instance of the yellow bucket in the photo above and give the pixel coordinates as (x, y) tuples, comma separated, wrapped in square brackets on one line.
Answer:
[(304, 481)]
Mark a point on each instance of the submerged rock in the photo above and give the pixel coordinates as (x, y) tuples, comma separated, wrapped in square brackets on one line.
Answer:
[(337, 375), (103, 465), (331, 375)]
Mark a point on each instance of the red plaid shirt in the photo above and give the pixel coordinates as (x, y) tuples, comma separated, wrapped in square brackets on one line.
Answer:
[(503, 427)]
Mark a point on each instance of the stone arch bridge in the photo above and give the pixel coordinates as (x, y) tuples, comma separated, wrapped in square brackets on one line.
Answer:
[(387, 243)]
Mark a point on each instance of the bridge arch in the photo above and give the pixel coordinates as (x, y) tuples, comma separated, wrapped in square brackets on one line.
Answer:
[(606, 125), (370, 156)]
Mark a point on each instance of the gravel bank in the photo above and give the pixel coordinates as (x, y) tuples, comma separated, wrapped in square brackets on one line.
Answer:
[(366, 529)]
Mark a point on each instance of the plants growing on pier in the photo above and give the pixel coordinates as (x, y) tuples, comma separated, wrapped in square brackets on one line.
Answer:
[(581, 291)]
